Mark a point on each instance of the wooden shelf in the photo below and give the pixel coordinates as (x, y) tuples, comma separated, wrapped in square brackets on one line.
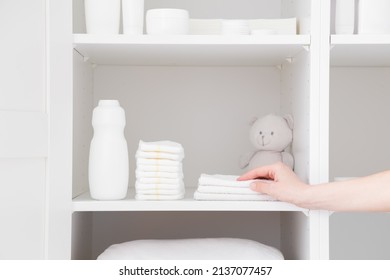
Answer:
[(360, 50), (84, 203), (208, 50)]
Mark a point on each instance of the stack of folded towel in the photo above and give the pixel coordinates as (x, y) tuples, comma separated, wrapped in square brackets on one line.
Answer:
[(159, 172), (226, 187)]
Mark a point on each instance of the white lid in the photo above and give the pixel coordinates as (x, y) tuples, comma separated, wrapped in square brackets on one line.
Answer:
[(108, 103), (168, 13)]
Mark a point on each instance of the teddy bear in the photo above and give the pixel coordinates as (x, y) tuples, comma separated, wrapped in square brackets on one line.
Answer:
[(271, 136)]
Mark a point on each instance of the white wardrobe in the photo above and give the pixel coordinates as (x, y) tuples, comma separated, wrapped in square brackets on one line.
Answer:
[(200, 91)]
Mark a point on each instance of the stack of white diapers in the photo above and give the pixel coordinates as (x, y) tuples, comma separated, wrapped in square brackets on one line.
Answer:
[(226, 187), (159, 172)]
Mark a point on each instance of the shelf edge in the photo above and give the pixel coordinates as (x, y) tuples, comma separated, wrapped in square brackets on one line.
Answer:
[(81, 39), (83, 203)]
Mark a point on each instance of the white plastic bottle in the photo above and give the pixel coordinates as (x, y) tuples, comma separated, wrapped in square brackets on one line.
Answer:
[(345, 16), (102, 16), (108, 157), (133, 17)]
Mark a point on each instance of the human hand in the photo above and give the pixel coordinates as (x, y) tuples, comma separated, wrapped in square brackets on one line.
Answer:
[(283, 183)]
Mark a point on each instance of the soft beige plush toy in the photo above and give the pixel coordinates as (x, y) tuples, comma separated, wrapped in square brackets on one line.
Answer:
[(271, 136)]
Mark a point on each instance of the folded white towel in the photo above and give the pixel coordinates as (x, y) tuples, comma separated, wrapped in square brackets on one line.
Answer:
[(177, 191), (227, 190), (222, 180), (170, 181), (159, 197), (141, 186), (158, 162), (141, 174), (191, 249), (159, 168), (161, 146), (232, 197), (280, 26), (159, 155)]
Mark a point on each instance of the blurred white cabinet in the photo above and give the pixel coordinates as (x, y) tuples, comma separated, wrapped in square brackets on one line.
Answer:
[(359, 135), (23, 130), (35, 89), (184, 89)]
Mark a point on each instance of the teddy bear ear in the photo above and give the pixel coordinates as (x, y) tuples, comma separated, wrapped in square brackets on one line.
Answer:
[(290, 121), (253, 120)]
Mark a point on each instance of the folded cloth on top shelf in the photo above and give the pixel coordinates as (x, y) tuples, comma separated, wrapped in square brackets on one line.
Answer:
[(158, 162), (191, 249), (222, 180), (172, 175), (171, 181), (159, 155), (161, 146), (232, 197), (159, 168), (176, 191), (139, 196), (141, 186)]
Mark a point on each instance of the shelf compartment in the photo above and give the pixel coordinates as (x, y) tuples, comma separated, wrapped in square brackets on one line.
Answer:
[(84, 203), (207, 50), (360, 50)]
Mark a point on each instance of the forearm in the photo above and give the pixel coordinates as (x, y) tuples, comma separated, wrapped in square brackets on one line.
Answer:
[(371, 193)]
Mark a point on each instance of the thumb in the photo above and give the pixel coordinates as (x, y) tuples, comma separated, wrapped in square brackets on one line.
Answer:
[(263, 187)]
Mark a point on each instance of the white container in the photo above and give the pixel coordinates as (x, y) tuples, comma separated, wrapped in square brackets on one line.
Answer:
[(374, 17), (108, 157), (133, 17), (235, 27), (102, 16), (345, 17), (167, 22)]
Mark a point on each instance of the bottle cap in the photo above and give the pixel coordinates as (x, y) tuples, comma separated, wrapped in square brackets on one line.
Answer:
[(108, 103)]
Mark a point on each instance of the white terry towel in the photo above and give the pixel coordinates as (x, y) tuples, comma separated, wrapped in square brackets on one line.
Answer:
[(223, 180), (161, 146), (159, 162), (139, 196), (147, 187), (226, 190), (191, 249), (171, 181), (159, 155), (159, 168), (232, 197), (141, 174)]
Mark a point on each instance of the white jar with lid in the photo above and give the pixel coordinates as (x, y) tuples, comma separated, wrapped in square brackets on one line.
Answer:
[(167, 22), (108, 157)]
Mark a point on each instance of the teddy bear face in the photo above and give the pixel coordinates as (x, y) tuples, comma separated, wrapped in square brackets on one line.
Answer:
[(271, 133)]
